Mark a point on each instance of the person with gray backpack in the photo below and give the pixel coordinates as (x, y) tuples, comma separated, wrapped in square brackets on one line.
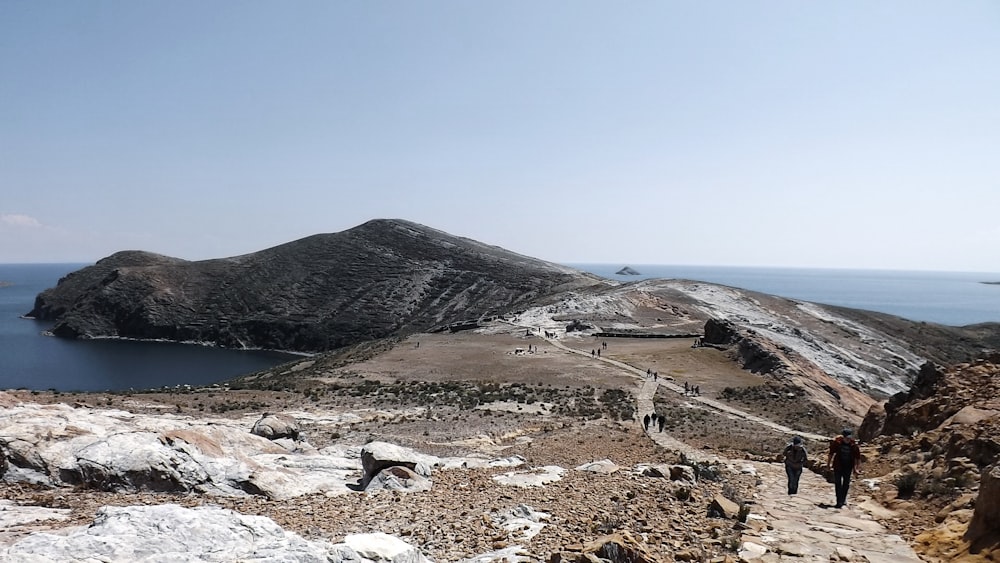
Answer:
[(795, 459)]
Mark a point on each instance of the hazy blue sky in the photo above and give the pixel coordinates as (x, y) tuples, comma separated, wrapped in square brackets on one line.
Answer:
[(816, 134)]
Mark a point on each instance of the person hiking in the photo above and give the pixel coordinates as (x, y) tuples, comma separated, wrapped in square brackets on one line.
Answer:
[(844, 458), (645, 422), (661, 420), (795, 459)]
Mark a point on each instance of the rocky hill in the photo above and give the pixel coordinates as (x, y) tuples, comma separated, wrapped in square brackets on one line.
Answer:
[(382, 278), (939, 441), (843, 360)]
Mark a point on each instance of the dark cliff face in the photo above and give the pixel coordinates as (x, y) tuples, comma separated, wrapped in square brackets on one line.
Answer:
[(325, 291)]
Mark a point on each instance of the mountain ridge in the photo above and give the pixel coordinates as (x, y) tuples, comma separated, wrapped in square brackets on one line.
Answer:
[(383, 277)]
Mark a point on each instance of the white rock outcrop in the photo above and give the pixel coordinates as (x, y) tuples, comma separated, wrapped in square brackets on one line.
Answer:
[(383, 547), (115, 450), (521, 522), (536, 477), (169, 532), (18, 520), (118, 450), (603, 467)]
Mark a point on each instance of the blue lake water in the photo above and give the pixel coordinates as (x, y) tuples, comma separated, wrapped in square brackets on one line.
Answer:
[(33, 361), (951, 298)]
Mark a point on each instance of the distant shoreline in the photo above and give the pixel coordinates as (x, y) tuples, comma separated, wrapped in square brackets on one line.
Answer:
[(201, 343), (991, 283)]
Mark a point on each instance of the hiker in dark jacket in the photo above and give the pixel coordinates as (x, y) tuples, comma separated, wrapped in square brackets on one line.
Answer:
[(795, 459), (844, 458)]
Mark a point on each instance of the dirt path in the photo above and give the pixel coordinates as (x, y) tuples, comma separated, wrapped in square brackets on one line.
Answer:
[(802, 527), (805, 527), (719, 406), (644, 404)]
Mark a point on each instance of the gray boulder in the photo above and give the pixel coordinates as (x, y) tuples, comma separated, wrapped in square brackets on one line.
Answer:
[(398, 478), (276, 426), (376, 456)]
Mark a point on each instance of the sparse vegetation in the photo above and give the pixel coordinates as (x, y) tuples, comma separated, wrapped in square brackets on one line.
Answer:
[(784, 404), (906, 484), (744, 513)]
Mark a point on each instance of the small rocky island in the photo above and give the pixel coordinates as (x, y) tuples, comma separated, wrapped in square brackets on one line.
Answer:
[(627, 271)]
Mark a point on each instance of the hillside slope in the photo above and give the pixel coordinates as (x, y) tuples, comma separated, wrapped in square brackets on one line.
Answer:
[(322, 292), (844, 359)]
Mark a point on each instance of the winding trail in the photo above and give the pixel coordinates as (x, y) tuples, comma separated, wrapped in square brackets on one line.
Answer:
[(805, 527), (712, 403), (644, 404)]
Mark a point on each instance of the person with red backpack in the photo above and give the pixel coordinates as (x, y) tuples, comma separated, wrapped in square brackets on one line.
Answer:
[(844, 458)]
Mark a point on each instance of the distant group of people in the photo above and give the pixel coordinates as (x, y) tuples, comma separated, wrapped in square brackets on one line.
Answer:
[(655, 420), (843, 459), (548, 334), (650, 374), (692, 390), (597, 352)]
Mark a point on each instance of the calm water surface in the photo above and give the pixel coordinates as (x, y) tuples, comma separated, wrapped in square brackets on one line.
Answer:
[(951, 298), (33, 361)]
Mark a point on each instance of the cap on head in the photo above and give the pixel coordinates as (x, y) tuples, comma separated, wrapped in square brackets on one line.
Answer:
[(847, 432), (796, 440)]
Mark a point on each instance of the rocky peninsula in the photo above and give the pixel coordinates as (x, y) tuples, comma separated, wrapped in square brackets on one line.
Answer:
[(382, 278)]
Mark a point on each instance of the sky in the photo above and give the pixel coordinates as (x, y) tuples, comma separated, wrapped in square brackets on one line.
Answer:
[(753, 133)]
